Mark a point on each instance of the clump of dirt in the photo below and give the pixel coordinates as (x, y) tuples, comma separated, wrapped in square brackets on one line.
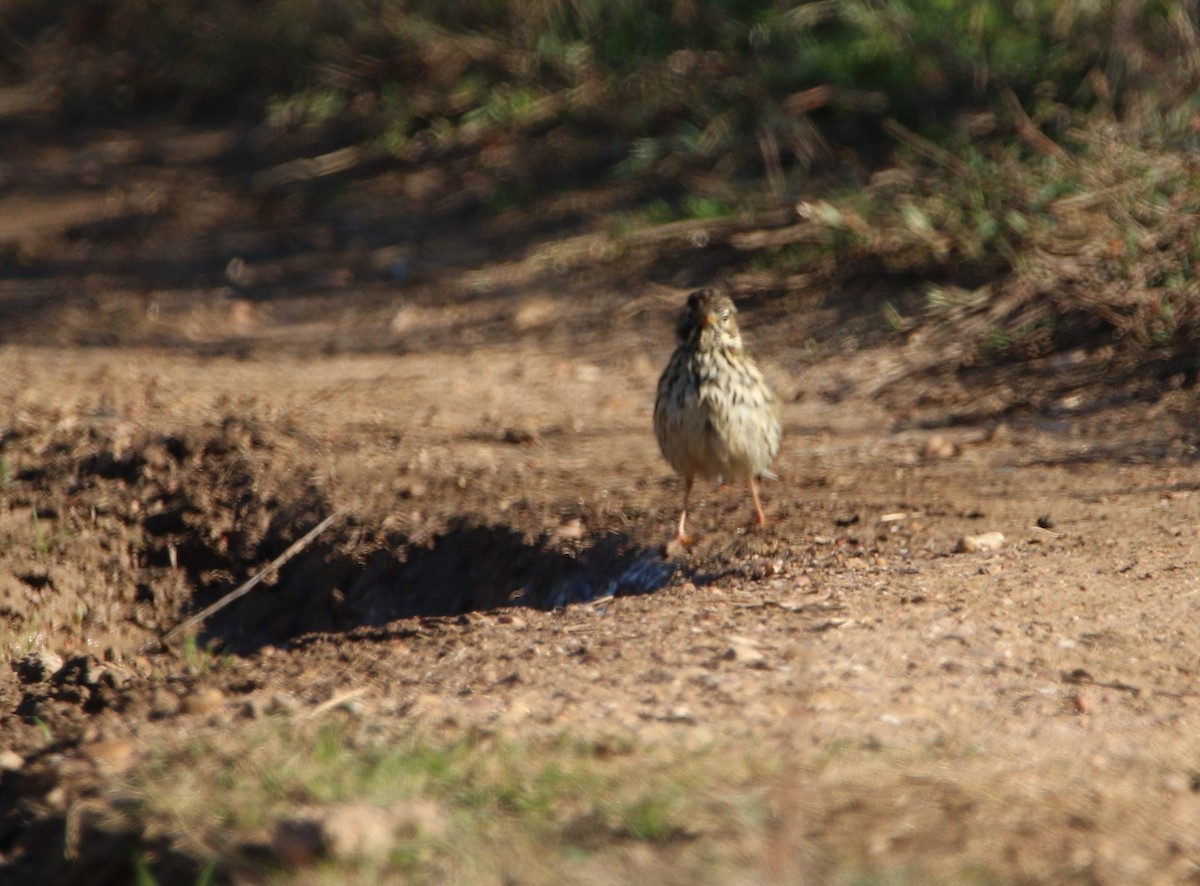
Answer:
[(121, 529)]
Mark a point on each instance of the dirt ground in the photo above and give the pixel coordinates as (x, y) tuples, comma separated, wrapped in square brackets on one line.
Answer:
[(186, 389)]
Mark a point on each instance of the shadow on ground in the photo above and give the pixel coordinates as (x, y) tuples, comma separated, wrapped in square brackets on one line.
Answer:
[(468, 568)]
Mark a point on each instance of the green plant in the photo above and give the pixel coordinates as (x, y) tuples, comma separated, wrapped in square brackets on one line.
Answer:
[(44, 728), (40, 544)]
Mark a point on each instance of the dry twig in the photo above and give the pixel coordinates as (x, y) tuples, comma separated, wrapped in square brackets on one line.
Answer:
[(243, 589)]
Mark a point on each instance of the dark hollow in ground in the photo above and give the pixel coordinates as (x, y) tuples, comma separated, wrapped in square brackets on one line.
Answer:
[(468, 568)]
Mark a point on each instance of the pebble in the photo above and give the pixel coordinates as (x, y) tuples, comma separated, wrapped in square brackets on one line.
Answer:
[(253, 708), (357, 831), (571, 530), (985, 542), (283, 703), (37, 667), (354, 831), (937, 447), (203, 701), (112, 755), (745, 653), (11, 761), (1176, 783)]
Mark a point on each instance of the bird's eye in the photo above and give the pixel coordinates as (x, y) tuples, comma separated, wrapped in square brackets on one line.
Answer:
[(725, 316)]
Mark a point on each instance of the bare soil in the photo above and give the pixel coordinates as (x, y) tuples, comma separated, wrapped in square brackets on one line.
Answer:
[(476, 395)]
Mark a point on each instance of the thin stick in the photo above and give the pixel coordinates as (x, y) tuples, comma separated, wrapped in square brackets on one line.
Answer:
[(331, 703), (1029, 131), (246, 587), (924, 146)]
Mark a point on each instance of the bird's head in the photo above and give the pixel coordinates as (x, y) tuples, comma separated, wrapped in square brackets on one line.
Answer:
[(710, 320)]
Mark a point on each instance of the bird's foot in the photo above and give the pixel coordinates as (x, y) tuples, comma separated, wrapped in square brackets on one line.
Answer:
[(678, 546)]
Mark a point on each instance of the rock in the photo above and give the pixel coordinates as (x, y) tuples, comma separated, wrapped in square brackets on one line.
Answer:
[(357, 831), (203, 701), (744, 652), (571, 530), (164, 703), (983, 543), (412, 489), (937, 447), (111, 755), (283, 703), (534, 312), (11, 761), (1176, 783), (354, 831), (254, 707), (38, 667)]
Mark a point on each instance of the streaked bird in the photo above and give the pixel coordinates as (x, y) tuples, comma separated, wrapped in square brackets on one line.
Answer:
[(715, 414)]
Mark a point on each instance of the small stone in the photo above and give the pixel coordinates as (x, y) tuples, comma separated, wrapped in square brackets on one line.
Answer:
[(11, 761), (357, 831), (1082, 702), (745, 653), (203, 701), (413, 489), (111, 755), (571, 530), (1176, 783), (1045, 522), (283, 703), (984, 543), (253, 708), (937, 447), (40, 666), (534, 312), (164, 703)]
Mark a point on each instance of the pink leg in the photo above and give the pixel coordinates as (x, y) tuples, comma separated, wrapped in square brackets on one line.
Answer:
[(681, 533), (759, 518)]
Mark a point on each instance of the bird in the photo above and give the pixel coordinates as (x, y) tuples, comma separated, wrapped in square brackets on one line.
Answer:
[(715, 414)]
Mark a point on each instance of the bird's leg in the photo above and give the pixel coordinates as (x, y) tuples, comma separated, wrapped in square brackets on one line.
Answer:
[(759, 518), (681, 534)]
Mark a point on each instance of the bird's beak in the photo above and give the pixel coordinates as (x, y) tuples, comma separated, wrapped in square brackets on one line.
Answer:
[(707, 321)]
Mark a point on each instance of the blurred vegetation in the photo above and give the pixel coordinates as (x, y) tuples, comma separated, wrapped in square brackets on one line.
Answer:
[(1032, 162)]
